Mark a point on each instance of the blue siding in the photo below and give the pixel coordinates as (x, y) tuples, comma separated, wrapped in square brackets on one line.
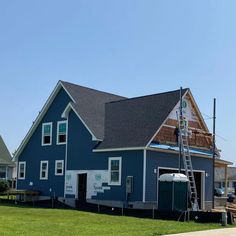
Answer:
[(168, 160), (132, 165), (81, 157), (33, 153)]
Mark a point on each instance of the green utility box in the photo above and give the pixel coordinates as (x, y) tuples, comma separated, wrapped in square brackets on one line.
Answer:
[(173, 192)]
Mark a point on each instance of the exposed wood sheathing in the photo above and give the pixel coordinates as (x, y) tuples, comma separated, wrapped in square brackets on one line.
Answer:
[(200, 137)]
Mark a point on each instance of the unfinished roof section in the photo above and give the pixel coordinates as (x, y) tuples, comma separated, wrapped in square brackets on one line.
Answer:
[(5, 156), (200, 137), (90, 105), (133, 122)]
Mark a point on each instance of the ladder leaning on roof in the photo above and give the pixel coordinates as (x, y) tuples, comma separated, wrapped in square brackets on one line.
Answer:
[(183, 139)]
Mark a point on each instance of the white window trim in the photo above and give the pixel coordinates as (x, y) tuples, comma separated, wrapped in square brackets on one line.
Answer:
[(58, 123), (41, 164), (21, 163), (109, 170), (46, 144), (59, 161)]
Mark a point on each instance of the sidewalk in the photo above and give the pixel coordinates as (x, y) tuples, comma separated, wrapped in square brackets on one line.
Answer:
[(215, 232)]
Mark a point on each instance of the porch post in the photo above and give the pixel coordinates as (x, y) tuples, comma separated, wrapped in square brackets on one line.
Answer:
[(226, 180)]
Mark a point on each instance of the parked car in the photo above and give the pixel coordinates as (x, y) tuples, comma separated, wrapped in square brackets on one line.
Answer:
[(219, 192), (230, 197)]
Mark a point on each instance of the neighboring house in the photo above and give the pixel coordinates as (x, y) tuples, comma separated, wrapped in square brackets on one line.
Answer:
[(6, 163), (230, 178), (95, 146)]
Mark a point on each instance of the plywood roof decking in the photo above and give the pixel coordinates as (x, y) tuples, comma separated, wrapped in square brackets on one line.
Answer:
[(200, 134)]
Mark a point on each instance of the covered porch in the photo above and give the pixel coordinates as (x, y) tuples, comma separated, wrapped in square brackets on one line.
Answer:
[(221, 201)]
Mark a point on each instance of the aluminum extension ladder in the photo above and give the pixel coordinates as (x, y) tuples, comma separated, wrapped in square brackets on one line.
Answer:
[(183, 139)]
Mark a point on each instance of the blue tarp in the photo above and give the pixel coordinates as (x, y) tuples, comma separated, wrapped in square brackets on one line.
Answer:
[(175, 148)]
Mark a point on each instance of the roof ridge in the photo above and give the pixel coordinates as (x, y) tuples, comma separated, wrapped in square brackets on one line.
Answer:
[(149, 95), (92, 89)]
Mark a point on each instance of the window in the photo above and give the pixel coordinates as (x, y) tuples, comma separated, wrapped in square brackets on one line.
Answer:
[(3, 172), (44, 170), (46, 134), (114, 170), (21, 170), (59, 167), (61, 132)]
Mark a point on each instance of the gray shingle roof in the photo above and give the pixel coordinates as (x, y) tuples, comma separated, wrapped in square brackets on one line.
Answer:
[(5, 156), (133, 122), (90, 105)]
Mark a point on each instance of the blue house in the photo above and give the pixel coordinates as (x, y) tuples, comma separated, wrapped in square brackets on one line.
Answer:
[(95, 146)]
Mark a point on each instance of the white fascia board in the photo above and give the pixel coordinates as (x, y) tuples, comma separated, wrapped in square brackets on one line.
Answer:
[(40, 116), (198, 110), (66, 112), (119, 149)]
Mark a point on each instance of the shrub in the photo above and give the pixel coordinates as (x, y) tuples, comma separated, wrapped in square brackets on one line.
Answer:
[(4, 186)]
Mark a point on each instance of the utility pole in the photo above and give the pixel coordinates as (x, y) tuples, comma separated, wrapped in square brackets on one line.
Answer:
[(180, 120), (213, 153)]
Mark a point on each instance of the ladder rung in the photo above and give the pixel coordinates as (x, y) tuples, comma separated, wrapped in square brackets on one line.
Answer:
[(188, 163)]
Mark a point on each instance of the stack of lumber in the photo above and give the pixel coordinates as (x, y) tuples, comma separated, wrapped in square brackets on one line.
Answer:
[(219, 209), (232, 208)]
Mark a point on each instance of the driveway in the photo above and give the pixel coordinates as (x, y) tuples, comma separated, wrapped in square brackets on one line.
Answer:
[(215, 232)]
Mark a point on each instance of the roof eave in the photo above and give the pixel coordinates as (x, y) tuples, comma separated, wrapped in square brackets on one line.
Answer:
[(40, 116), (65, 115)]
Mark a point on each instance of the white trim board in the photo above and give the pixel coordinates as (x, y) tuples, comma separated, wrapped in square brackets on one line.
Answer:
[(40, 117), (119, 149), (144, 173), (66, 151)]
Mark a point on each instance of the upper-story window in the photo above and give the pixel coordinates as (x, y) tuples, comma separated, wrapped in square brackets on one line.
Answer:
[(114, 170), (21, 170), (46, 134), (61, 132)]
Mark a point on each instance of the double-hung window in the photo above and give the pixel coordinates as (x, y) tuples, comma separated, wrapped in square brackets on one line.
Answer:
[(61, 132), (44, 170), (59, 167), (21, 170), (3, 172), (114, 170), (46, 134)]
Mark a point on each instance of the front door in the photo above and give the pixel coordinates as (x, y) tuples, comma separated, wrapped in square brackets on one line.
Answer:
[(82, 187)]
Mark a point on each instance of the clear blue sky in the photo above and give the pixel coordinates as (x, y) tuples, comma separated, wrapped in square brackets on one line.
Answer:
[(125, 47)]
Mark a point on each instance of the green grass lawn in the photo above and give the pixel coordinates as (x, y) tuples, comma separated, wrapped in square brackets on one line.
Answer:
[(16, 220)]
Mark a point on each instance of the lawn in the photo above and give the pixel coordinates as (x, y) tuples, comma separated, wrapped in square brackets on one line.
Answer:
[(16, 220)]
